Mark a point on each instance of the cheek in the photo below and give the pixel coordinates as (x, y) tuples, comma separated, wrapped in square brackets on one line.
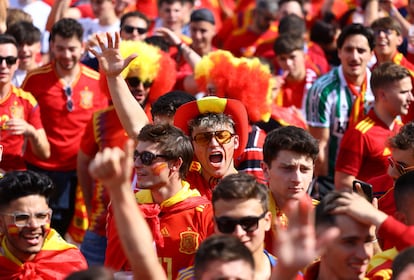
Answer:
[(159, 168), (13, 230)]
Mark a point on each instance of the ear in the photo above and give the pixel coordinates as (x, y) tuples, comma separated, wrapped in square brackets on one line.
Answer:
[(268, 220), (175, 165), (265, 169), (400, 39), (236, 141)]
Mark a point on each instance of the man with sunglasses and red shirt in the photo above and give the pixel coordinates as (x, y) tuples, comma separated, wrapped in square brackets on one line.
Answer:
[(178, 216), (20, 115)]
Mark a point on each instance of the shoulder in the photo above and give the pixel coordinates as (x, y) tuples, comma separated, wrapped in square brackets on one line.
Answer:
[(89, 72)]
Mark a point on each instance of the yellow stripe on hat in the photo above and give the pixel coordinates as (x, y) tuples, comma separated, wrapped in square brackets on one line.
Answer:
[(211, 104)]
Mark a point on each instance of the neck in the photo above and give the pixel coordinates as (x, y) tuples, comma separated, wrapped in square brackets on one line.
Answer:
[(67, 75), (108, 19), (280, 201), (160, 194), (262, 265), (213, 180), (384, 115), (325, 273), (383, 58), (202, 51), (356, 81), (4, 90)]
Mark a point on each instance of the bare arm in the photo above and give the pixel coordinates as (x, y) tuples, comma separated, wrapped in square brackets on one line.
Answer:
[(129, 111), (343, 181), (85, 179), (113, 167), (58, 11), (322, 162)]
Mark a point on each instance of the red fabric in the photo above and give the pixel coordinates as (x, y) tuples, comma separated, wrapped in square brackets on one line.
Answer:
[(148, 8), (386, 202), (16, 104), (244, 42), (64, 129), (150, 213), (183, 227), (288, 116), (363, 152), (396, 233), (47, 264), (312, 271), (103, 130), (381, 184), (317, 56)]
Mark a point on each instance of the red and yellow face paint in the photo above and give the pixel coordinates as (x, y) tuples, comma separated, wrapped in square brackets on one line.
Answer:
[(158, 168)]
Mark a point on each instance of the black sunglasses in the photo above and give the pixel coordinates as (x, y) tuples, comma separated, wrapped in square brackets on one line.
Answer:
[(146, 157), (10, 60), (134, 82), (228, 225), (69, 102), (130, 29)]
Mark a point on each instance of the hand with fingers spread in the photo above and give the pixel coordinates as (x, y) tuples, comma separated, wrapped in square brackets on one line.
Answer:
[(297, 245), (110, 59)]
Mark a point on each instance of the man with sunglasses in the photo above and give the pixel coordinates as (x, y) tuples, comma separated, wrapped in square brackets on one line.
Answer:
[(218, 128), (68, 93), (178, 216), (20, 115), (363, 152), (134, 26), (29, 248)]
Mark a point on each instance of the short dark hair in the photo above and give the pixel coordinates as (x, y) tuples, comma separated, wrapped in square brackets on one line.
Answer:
[(158, 41), (160, 2), (92, 273), (67, 28), (387, 23), (290, 138), (24, 32), (292, 24), (403, 189), (210, 120), (404, 139), (386, 73), (7, 39), (225, 248), (356, 29), (172, 142), (286, 44), (401, 261), (323, 211), (134, 14), (167, 104), (17, 184), (241, 186)]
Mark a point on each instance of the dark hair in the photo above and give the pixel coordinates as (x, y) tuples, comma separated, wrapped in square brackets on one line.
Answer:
[(17, 184), (401, 261), (403, 189), (158, 41), (292, 24), (24, 32), (7, 39), (286, 44), (241, 186), (387, 23), (404, 139), (171, 141), (92, 273), (225, 248), (323, 211), (210, 120), (203, 14), (134, 14), (386, 73), (323, 32), (67, 28), (290, 138), (356, 29), (160, 2), (167, 104)]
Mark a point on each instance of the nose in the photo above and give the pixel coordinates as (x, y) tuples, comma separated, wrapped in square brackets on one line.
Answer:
[(365, 251), (238, 231)]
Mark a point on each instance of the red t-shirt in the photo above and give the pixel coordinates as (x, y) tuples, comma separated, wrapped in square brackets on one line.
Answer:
[(64, 129), (183, 226), (17, 104), (363, 152), (103, 130)]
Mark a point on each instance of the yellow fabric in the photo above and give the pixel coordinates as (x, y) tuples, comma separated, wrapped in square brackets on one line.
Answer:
[(144, 196), (380, 258), (211, 104)]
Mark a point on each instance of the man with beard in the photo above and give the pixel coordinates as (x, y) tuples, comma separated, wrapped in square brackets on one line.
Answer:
[(30, 249), (68, 93), (340, 99)]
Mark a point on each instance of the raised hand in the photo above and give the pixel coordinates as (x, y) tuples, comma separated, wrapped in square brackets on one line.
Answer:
[(110, 60)]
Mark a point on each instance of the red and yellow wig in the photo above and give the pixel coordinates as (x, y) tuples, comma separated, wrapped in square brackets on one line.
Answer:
[(244, 79)]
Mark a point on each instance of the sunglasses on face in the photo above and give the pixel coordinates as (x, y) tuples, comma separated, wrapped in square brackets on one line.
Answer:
[(248, 224), (147, 158), (10, 60), (135, 82), (399, 166), (386, 31), (22, 219), (221, 136), (130, 29)]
